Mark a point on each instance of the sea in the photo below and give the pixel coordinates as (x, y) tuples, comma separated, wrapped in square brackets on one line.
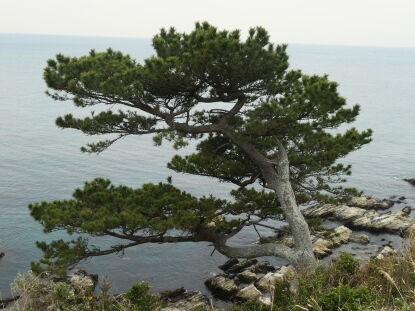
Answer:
[(40, 162)]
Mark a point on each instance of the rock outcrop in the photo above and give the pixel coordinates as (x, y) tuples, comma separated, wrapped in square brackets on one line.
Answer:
[(355, 217), (247, 276), (323, 246), (253, 283), (248, 293), (188, 301), (229, 263), (82, 281), (222, 286), (263, 267), (359, 238), (386, 251), (268, 281), (367, 202), (323, 241), (410, 180), (407, 210), (241, 266)]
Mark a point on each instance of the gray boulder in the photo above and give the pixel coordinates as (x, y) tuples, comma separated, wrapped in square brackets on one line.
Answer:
[(189, 301), (263, 267), (247, 276), (239, 267), (359, 238), (248, 293), (228, 264), (367, 202), (221, 286)]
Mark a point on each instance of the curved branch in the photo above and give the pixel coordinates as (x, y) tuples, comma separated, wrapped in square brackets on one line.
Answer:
[(137, 241), (267, 249)]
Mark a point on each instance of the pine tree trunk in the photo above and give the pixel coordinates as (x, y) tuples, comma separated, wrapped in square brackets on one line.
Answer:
[(303, 247), (277, 177)]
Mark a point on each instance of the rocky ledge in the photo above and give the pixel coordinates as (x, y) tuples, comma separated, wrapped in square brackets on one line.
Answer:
[(368, 202), (254, 281), (183, 300), (370, 220), (410, 180), (324, 240)]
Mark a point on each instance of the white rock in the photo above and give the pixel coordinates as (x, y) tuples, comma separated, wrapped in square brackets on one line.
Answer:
[(268, 281), (248, 293), (370, 203), (386, 252), (341, 235), (323, 246), (265, 300)]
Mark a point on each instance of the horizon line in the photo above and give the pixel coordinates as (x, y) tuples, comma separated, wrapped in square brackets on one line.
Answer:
[(149, 38)]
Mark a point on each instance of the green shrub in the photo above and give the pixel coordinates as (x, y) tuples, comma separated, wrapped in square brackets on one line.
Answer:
[(345, 298), (346, 263), (311, 284), (315, 223), (140, 297)]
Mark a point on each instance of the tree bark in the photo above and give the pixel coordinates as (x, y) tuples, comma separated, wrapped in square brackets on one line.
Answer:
[(277, 177), (304, 256)]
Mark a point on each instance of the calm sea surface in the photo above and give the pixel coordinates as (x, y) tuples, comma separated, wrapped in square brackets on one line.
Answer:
[(39, 162)]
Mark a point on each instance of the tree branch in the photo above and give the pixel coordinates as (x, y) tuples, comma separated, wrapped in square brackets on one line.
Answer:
[(267, 249)]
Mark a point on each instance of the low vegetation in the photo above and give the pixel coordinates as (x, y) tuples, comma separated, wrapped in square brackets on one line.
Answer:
[(39, 294), (343, 284)]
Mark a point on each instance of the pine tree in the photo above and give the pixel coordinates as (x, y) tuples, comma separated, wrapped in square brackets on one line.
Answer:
[(258, 123)]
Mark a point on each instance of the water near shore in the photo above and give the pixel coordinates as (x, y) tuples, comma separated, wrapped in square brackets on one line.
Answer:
[(38, 161)]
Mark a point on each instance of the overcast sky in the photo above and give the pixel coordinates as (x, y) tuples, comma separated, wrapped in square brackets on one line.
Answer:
[(347, 22)]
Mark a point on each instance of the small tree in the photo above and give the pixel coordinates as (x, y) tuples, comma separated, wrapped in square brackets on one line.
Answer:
[(257, 122)]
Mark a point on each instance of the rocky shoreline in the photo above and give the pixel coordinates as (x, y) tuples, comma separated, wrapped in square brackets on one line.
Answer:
[(247, 280), (241, 281)]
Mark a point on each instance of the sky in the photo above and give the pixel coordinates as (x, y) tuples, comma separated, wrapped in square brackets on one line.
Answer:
[(333, 22)]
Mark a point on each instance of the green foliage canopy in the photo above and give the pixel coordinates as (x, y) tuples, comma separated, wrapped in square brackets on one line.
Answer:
[(214, 87)]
